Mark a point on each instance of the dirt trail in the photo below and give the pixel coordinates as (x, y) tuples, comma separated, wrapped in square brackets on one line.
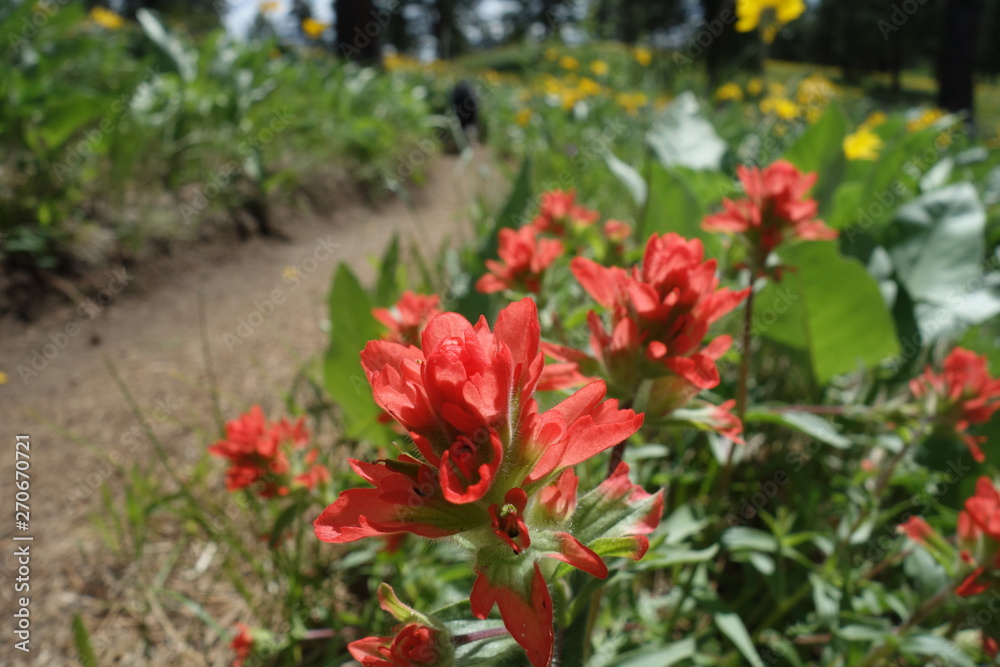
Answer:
[(150, 330)]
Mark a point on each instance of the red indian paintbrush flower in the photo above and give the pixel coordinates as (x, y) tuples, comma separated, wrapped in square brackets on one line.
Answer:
[(979, 538), (259, 451), (418, 642), (660, 314), (775, 209), (962, 395), (525, 257), (559, 211), (242, 644), (482, 455), (408, 317)]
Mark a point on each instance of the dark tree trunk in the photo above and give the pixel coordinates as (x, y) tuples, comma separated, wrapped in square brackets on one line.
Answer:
[(358, 30), (958, 55)]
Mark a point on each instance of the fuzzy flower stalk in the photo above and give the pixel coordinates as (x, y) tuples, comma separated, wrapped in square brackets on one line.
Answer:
[(486, 466)]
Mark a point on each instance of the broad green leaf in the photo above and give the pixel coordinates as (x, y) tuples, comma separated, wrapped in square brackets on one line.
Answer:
[(629, 177), (183, 57), (820, 149), (351, 327), (732, 626), (678, 201), (682, 136), (828, 306), (810, 424)]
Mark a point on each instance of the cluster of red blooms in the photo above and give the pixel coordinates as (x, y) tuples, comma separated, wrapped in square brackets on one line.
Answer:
[(775, 209), (406, 320), (961, 395), (418, 642), (272, 453), (486, 465), (525, 254), (660, 314)]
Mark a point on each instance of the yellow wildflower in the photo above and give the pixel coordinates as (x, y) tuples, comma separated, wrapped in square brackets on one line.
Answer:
[(768, 15), (589, 87), (268, 7), (106, 18), (874, 119), (643, 56), (631, 102), (862, 145), (755, 86), (775, 89), (925, 120), (815, 90), (599, 68), (313, 28), (3, 378), (569, 62), (782, 107), (523, 117), (730, 91)]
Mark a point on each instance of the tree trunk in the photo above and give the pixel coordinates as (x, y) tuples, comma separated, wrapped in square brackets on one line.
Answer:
[(356, 21), (958, 54), (444, 27)]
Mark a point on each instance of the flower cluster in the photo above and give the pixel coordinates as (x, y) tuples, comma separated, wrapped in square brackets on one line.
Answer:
[(559, 212), (419, 641), (660, 314), (768, 15), (961, 395), (775, 209), (525, 257), (979, 538), (406, 320), (275, 454), (482, 458)]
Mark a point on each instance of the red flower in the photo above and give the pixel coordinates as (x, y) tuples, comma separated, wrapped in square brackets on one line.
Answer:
[(617, 231), (242, 644), (559, 211), (660, 314), (466, 399), (408, 317), (259, 451), (419, 641), (413, 645), (775, 209), (916, 529), (979, 531), (525, 257), (962, 395)]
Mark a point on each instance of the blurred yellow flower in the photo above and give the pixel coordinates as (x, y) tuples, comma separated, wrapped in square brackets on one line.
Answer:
[(755, 86), (782, 107), (551, 53), (631, 102), (3, 378), (775, 89), (862, 145), (599, 68), (875, 119), (269, 6), (589, 87), (523, 117), (290, 273), (313, 28), (729, 91), (106, 18), (815, 90), (925, 120), (768, 15), (643, 56), (569, 62)]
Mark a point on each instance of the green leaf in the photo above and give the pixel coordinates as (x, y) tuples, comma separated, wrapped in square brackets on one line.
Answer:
[(732, 626), (829, 307), (351, 327), (682, 136), (678, 556), (660, 656), (810, 424), (740, 538), (820, 149), (678, 201), (938, 647), (183, 57), (937, 246), (81, 638), (629, 177), (386, 289)]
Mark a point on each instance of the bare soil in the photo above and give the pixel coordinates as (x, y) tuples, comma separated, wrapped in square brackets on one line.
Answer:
[(60, 391)]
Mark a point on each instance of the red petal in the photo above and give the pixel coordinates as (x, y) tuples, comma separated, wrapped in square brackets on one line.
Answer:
[(576, 554), (528, 618)]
